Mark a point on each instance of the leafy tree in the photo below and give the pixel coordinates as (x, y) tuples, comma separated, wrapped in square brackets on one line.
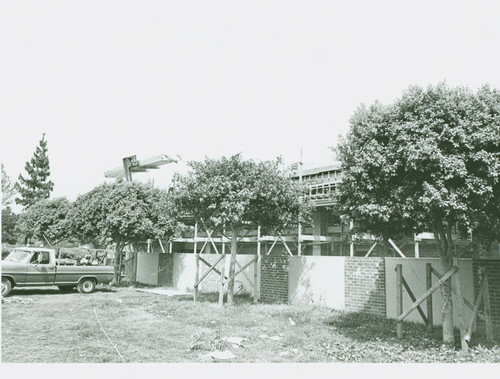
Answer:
[(9, 220), (8, 189), (36, 186), (45, 221), (123, 214), (231, 192), (430, 161)]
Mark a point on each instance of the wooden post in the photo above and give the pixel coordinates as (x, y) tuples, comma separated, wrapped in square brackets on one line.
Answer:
[(299, 240), (351, 246), (428, 277), (197, 262), (460, 304), (222, 270), (475, 310), (417, 250), (421, 299), (256, 271), (399, 298), (232, 264), (487, 308)]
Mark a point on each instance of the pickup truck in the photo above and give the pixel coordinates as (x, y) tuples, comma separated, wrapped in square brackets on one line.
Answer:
[(35, 266)]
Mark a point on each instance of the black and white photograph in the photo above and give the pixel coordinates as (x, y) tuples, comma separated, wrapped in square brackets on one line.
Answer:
[(250, 186)]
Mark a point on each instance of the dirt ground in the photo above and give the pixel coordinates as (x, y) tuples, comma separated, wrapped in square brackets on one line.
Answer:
[(128, 325)]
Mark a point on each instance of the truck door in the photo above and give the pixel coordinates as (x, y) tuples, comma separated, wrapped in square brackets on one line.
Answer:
[(41, 272)]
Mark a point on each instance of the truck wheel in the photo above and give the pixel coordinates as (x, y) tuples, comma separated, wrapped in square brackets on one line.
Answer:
[(86, 285), (66, 288), (6, 287)]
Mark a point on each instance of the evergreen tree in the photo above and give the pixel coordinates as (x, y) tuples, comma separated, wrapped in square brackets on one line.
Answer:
[(36, 186), (8, 189)]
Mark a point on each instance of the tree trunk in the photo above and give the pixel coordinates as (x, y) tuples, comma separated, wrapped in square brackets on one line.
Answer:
[(232, 263), (118, 254), (447, 310), (444, 246)]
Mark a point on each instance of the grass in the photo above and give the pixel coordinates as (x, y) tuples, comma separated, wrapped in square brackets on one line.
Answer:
[(46, 325)]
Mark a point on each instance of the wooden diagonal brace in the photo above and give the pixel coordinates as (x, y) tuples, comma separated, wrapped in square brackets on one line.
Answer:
[(208, 271), (412, 297), (210, 265), (427, 293), (238, 272)]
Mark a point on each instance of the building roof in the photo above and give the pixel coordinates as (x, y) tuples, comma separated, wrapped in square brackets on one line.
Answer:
[(316, 170)]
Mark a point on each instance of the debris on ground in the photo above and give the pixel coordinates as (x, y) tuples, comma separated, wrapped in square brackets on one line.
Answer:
[(291, 321), (220, 355), (275, 338), (21, 300), (235, 341)]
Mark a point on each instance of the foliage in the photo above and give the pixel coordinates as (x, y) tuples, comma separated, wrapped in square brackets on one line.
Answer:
[(46, 220), (9, 220), (429, 161), (8, 189), (123, 213), (36, 186), (232, 191)]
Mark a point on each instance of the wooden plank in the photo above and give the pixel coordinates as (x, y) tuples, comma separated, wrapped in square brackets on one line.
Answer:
[(475, 311), (286, 246), (371, 249), (161, 245), (272, 246), (466, 302), (430, 311), (256, 289), (197, 263), (427, 293), (412, 297), (461, 312), (209, 265), (399, 299), (396, 248), (209, 235), (487, 309), (238, 272), (256, 273), (204, 275), (221, 288), (244, 273)]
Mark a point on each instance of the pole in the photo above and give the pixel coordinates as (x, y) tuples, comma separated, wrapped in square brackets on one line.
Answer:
[(428, 277), (197, 263), (256, 271), (351, 246), (399, 298), (461, 314)]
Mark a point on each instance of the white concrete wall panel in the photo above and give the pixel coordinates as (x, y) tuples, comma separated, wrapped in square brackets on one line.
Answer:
[(317, 280), (147, 268)]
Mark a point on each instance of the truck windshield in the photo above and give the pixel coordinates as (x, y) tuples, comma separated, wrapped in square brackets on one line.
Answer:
[(19, 256)]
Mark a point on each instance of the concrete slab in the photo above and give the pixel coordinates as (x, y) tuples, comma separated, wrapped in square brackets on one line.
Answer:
[(165, 291)]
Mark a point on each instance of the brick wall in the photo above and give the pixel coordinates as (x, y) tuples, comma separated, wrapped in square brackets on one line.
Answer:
[(493, 266), (165, 269), (365, 285), (274, 278)]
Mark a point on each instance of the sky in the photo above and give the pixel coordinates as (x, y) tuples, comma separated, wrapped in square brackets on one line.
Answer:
[(109, 79)]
